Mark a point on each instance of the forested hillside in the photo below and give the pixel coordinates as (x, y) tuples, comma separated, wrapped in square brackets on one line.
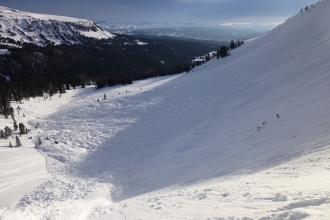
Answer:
[(30, 70), (123, 55)]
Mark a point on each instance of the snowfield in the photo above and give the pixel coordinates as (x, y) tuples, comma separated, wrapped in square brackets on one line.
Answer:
[(240, 138)]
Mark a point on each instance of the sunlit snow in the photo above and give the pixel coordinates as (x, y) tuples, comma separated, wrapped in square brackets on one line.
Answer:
[(243, 137)]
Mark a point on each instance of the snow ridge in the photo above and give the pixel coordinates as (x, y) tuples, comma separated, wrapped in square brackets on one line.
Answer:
[(43, 29)]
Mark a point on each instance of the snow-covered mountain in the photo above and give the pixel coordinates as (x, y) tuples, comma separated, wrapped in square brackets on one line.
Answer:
[(43, 29), (240, 138)]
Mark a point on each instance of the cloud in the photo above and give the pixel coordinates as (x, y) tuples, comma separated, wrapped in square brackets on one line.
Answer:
[(198, 11)]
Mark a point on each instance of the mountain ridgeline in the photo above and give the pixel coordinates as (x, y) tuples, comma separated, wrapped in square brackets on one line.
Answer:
[(45, 30)]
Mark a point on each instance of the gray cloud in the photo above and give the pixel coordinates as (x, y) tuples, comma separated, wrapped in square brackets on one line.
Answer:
[(200, 11)]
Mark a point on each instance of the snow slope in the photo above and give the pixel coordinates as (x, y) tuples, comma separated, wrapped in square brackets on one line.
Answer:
[(47, 29), (202, 145), (23, 169)]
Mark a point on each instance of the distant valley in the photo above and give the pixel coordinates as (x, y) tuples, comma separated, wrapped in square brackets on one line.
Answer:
[(45, 48), (188, 30)]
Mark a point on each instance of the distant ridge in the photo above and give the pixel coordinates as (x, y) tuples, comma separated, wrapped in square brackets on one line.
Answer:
[(43, 29)]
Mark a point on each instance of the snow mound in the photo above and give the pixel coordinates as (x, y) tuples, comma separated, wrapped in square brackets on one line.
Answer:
[(280, 198)]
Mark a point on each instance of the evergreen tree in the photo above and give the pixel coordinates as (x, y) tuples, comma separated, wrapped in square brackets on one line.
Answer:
[(207, 57), (15, 126), (223, 52), (178, 69), (232, 45), (101, 83), (5, 105), (67, 86), (18, 142), (187, 69), (21, 129), (8, 132), (238, 43)]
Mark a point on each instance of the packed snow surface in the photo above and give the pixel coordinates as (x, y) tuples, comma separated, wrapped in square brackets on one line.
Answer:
[(244, 137)]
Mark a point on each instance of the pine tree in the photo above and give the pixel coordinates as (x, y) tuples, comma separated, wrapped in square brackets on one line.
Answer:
[(21, 128), (178, 69), (15, 126), (18, 142), (8, 132), (238, 43), (12, 116), (5, 105), (223, 52), (232, 45)]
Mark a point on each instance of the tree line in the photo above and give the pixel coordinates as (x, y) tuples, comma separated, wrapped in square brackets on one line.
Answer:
[(35, 71)]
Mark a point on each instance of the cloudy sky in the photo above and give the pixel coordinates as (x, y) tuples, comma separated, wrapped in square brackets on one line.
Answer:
[(196, 11)]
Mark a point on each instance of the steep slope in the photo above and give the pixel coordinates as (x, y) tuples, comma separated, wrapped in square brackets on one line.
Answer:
[(245, 137), (47, 29)]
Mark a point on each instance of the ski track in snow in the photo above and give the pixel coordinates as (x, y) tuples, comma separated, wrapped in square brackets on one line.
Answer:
[(202, 145), (19, 174)]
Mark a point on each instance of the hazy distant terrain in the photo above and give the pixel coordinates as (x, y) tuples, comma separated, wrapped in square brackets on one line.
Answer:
[(194, 31)]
